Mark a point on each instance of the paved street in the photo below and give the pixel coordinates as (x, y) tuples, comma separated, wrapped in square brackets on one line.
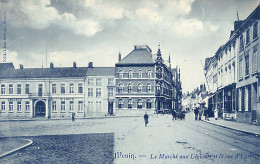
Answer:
[(127, 140)]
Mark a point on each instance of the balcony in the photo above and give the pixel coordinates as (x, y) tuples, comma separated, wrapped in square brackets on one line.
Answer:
[(39, 94)]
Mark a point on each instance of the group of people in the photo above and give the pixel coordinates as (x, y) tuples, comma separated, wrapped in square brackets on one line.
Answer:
[(201, 111)]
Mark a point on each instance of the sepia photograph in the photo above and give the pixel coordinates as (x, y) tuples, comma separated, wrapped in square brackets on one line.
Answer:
[(130, 81)]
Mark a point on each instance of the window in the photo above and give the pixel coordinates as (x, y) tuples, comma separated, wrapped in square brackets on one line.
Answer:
[(120, 103), (80, 88), (19, 106), (130, 104), (71, 88), (27, 88), (98, 92), (90, 92), (120, 74), (149, 74), (120, 88), (255, 30), (90, 105), (140, 74), (90, 81), (247, 36), (241, 43), (254, 60), (247, 64), (149, 104), (19, 88), (27, 106), (98, 81), (130, 74), (11, 106), (139, 88), (11, 89), (139, 104), (2, 106), (240, 67), (158, 88), (62, 108), (62, 89), (54, 106), (110, 92), (80, 106), (98, 106), (130, 88), (149, 88), (54, 89), (110, 81), (2, 88), (71, 105)]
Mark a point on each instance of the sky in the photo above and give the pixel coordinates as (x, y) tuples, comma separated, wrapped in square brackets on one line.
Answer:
[(97, 30)]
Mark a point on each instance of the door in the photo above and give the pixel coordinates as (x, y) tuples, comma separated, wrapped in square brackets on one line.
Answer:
[(110, 108), (40, 109)]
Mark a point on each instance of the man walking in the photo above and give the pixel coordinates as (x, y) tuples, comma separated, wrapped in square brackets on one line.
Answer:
[(174, 114), (146, 119), (196, 112)]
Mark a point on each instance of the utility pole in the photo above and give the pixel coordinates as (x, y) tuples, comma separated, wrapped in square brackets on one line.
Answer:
[(4, 38)]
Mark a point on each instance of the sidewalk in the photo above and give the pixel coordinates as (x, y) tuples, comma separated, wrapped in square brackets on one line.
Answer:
[(242, 127), (11, 145)]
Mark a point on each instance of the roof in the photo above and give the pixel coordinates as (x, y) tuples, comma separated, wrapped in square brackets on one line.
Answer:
[(5, 66), (140, 55), (44, 72), (101, 71)]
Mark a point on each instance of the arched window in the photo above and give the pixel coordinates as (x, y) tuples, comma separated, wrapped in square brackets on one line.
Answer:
[(149, 104), (149, 88), (139, 88), (120, 88), (149, 74), (130, 88), (130, 104), (140, 74), (139, 104), (120, 74), (130, 74), (120, 103)]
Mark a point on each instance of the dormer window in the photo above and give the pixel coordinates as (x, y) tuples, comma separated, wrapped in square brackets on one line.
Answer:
[(130, 74)]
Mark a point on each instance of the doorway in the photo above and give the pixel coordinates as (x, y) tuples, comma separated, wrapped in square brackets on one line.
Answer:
[(40, 109)]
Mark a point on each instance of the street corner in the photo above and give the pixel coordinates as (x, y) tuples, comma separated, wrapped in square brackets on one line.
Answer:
[(11, 145)]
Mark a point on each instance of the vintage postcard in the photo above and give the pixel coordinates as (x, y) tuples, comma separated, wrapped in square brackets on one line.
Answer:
[(130, 81)]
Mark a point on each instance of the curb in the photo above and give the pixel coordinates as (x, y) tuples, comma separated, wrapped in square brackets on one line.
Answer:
[(242, 131), (14, 120), (19, 148)]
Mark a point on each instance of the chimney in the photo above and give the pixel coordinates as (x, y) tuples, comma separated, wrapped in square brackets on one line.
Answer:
[(119, 57), (51, 65), (74, 65), (21, 66), (90, 65)]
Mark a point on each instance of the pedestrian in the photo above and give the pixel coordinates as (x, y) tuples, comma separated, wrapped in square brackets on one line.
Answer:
[(216, 114), (146, 118), (196, 111), (174, 114), (205, 112), (200, 113), (73, 117)]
